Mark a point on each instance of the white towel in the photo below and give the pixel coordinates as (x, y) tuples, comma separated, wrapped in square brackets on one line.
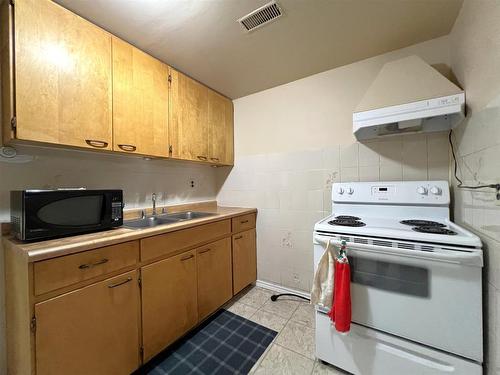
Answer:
[(322, 289)]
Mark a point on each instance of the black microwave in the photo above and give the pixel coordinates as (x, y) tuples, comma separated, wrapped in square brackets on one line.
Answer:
[(44, 214)]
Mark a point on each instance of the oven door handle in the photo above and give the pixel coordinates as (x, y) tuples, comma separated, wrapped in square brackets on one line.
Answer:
[(468, 258)]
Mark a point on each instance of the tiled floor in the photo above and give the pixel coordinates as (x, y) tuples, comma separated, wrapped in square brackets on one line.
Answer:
[(292, 351)]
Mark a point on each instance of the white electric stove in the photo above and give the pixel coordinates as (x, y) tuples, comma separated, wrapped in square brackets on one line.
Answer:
[(416, 282)]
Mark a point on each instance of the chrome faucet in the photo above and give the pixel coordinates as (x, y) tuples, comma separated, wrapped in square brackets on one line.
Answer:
[(153, 198)]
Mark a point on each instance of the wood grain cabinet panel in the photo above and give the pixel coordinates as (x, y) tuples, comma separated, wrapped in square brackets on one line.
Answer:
[(62, 77), (93, 330), (220, 129), (169, 301), (215, 280), (140, 101), (63, 271), (244, 259), (244, 222), (188, 118), (170, 243)]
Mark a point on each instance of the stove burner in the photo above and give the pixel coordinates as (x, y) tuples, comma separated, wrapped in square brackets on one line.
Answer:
[(347, 217), (422, 223), (347, 223), (434, 230)]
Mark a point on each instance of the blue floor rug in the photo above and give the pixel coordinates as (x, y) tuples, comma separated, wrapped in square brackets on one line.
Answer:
[(225, 344)]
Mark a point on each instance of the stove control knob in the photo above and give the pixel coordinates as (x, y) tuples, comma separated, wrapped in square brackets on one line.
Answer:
[(340, 191), (436, 190), (422, 190), (350, 191)]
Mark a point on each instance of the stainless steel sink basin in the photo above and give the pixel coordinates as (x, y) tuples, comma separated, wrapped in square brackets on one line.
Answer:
[(153, 221), (188, 215), (148, 222)]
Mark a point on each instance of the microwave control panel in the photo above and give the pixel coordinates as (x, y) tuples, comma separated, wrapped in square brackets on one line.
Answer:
[(116, 211)]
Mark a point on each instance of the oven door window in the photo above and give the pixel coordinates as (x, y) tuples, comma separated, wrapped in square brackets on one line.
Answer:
[(73, 212), (393, 277)]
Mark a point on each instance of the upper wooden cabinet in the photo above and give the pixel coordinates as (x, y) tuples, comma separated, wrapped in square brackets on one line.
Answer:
[(68, 82), (188, 118), (140, 101), (220, 129), (62, 77)]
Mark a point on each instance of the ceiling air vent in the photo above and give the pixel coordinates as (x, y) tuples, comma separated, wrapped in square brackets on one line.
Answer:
[(260, 17)]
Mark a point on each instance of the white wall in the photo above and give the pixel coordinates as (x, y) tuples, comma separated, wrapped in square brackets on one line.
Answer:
[(138, 178), (475, 60), (293, 141)]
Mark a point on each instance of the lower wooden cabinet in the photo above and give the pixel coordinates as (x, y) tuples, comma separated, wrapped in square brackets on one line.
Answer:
[(93, 330), (214, 276), (169, 301), (244, 259)]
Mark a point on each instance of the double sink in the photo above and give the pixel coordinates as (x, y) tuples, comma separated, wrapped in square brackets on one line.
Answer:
[(163, 219)]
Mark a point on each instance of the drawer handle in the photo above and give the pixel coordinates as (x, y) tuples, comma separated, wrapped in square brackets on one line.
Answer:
[(215, 159), (90, 265), (130, 148), (129, 279), (244, 222), (187, 257), (201, 157), (97, 144), (238, 238), (205, 251)]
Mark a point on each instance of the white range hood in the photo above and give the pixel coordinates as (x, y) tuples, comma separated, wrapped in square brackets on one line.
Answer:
[(408, 96)]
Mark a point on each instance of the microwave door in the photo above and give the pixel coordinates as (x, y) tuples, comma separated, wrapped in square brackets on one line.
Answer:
[(66, 213)]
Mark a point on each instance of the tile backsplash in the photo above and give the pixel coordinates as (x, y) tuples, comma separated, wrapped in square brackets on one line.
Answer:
[(137, 177), (292, 191), (475, 57)]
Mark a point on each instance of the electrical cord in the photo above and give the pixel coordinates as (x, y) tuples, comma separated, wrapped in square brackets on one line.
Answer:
[(460, 183)]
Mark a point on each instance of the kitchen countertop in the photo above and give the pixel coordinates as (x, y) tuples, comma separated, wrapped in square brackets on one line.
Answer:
[(36, 251)]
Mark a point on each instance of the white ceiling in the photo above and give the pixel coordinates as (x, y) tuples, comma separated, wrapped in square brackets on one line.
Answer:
[(202, 38)]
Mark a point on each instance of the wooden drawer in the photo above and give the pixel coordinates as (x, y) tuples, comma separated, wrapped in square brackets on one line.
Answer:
[(59, 272), (244, 222), (169, 243)]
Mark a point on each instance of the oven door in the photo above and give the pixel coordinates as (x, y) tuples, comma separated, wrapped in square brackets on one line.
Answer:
[(60, 213), (433, 298)]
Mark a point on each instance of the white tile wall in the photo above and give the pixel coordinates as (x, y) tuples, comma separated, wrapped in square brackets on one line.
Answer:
[(137, 177), (293, 191), (475, 57)]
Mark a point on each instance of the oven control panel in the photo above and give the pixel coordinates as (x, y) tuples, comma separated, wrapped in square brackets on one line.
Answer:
[(393, 192)]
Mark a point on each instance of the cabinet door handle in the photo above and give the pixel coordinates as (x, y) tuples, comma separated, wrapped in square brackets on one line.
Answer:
[(238, 238), (90, 265), (201, 157), (243, 221), (129, 279), (215, 159), (130, 148), (97, 144), (187, 257), (205, 251)]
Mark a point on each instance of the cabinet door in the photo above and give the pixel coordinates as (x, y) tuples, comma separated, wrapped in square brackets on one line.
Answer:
[(63, 77), (93, 330), (214, 276), (244, 259), (140, 101), (220, 129), (188, 118), (169, 307)]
